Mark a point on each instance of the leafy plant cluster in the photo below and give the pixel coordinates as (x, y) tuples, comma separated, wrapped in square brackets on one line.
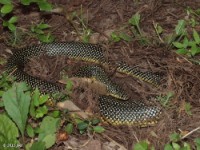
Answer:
[(136, 31), (175, 144), (27, 114), (7, 8)]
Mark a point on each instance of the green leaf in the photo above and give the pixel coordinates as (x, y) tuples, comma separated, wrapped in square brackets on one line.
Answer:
[(194, 49), (180, 27), (44, 6), (168, 147), (182, 51), (8, 131), (41, 111), (125, 37), (95, 121), (30, 131), (43, 26), (196, 36), (115, 37), (11, 27), (186, 146), (69, 85), (197, 143), (135, 20), (188, 108), (40, 145), (48, 126), (5, 1), (82, 125), (46, 38), (185, 42), (7, 8), (26, 2), (43, 99), (69, 128), (98, 129), (159, 29), (16, 102), (178, 45), (13, 19), (175, 137), (142, 145), (55, 114), (176, 146), (35, 97), (49, 140)]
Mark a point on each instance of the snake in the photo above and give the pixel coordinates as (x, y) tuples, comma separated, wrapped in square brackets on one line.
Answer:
[(116, 107)]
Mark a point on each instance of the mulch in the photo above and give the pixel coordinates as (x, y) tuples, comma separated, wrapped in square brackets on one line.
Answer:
[(178, 75)]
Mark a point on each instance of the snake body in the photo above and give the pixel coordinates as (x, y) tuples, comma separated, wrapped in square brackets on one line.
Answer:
[(112, 108)]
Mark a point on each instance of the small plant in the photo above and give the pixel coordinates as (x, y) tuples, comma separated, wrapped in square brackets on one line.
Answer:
[(82, 28), (164, 100), (89, 125), (189, 47), (8, 7), (136, 31), (38, 30)]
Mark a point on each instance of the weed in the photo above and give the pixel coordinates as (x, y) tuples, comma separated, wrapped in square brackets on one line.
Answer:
[(38, 30), (8, 7)]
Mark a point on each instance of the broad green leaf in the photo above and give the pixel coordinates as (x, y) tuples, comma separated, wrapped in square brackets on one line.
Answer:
[(48, 126), (30, 131), (168, 147), (44, 6), (142, 145), (176, 146), (174, 137), (8, 132), (82, 125), (49, 140), (13, 19), (182, 51), (135, 20), (197, 143), (186, 146), (40, 145), (180, 27), (125, 37), (16, 102), (178, 45), (5, 1), (98, 129), (7, 8), (196, 36), (11, 27), (26, 2), (69, 128)]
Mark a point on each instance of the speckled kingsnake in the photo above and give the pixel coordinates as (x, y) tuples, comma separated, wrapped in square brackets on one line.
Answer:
[(111, 107)]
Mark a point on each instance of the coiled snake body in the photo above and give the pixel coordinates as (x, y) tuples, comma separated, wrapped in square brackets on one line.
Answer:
[(115, 108)]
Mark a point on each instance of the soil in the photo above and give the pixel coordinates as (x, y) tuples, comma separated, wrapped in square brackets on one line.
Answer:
[(179, 75)]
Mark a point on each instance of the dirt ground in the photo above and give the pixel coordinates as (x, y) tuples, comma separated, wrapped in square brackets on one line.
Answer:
[(105, 16)]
